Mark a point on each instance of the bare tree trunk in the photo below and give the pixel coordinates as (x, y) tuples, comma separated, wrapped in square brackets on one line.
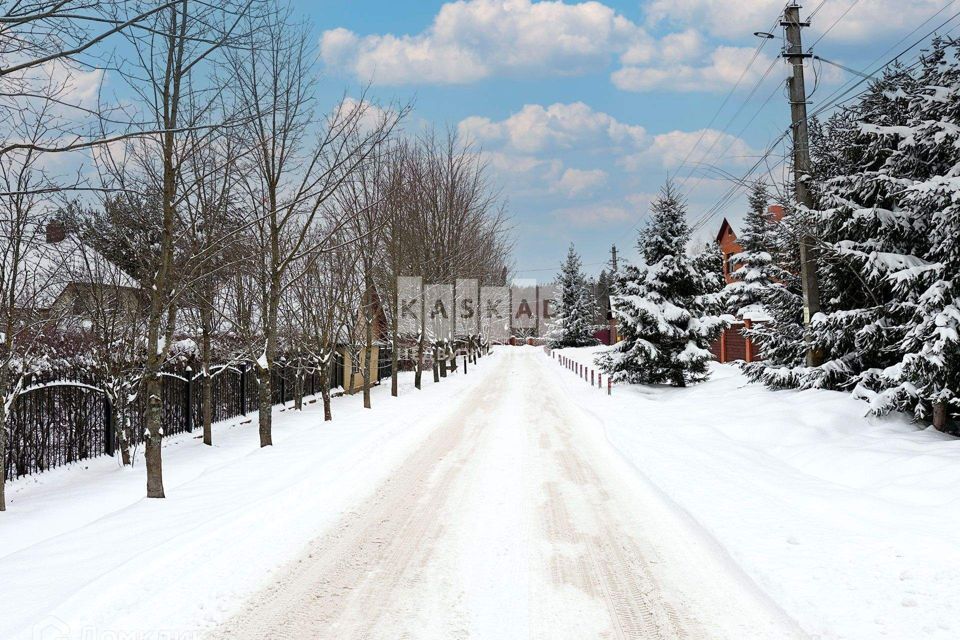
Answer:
[(436, 364), (206, 384), (122, 429), (298, 387), (265, 401), (418, 375), (153, 444), (940, 416), (394, 355), (325, 392), (206, 390), (3, 453), (368, 336)]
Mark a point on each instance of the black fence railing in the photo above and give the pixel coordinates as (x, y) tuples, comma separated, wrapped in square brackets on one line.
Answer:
[(63, 416)]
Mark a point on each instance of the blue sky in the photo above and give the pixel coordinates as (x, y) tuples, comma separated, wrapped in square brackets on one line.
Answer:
[(582, 110)]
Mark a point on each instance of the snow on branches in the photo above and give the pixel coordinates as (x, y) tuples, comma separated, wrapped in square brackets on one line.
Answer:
[(661, 306)]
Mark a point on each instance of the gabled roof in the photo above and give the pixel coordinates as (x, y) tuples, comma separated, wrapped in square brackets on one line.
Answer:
[(49, 268), (724, 227)]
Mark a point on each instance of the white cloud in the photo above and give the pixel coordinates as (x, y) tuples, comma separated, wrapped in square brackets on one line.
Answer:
[(577, 182), (576, 127), (724, 68), (572, 126), (669, 150), (596, 214), (473, 39), (738, 19)]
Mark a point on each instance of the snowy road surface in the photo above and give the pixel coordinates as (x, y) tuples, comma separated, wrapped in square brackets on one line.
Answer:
[(513, 519)]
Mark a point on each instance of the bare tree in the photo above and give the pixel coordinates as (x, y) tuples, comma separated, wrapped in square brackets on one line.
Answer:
[(108, 309), (455, 226), (213, 232), (29, 267), (298, 163), (170, 73)]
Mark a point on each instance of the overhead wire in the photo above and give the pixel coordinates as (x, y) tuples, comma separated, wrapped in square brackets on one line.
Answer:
[(835, 23), (834, 99)]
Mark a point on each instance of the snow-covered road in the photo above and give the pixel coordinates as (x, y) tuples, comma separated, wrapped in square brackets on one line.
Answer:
[(513, 519)]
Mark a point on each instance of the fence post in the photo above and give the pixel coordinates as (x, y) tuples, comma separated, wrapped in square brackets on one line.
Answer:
[(243, 389), (188, 401), (591, 377), (108, 439), (609, 386), (600, 380)]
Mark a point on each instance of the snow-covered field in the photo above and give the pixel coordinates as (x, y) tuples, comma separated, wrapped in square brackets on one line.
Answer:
[(848, 522), (84, 554), (718, 491)]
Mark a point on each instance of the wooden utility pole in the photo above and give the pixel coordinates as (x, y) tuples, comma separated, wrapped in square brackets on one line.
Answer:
[(613, 258), (801, 170)]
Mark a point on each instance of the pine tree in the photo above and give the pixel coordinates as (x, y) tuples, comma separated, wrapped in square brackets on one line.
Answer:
[(604, 285), (780, 338), (889, 232), (752, 269), (709, 264), (575, 321), (659, 306)]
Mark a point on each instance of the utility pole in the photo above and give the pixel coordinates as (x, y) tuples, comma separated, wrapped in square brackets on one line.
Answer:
[(613, 258), (801, 170)]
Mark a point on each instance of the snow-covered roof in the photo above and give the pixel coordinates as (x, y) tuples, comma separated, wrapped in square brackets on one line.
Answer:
[(50, 267), (755, 313)]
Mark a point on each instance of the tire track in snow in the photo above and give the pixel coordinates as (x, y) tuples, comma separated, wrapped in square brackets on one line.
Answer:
[(405, 563)]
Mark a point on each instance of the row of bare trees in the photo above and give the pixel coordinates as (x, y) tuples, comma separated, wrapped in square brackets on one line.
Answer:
[(211, 205)]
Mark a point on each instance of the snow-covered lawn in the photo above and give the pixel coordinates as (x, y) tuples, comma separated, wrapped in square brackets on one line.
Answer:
[(84, 554), (849, 522)]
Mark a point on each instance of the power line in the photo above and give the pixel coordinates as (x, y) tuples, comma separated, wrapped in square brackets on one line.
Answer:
[(834, 99), (726, 99), (835, 23), (813, 13), (736, 115)]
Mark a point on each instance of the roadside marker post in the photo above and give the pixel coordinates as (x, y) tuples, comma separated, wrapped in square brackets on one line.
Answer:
[(609, 386)]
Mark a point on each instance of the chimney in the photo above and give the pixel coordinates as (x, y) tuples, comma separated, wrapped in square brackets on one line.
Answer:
[(56, 231), (775, 212)]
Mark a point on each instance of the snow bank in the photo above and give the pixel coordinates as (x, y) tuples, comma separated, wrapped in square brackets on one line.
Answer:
[(848, 522), (84, 555)]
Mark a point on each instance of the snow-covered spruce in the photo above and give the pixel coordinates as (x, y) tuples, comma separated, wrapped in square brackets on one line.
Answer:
[(753, 269), (709, 263), (885, 177), (660, 306), (574, 323)]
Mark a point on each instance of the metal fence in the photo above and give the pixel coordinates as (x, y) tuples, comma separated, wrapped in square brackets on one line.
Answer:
[(64, 416)]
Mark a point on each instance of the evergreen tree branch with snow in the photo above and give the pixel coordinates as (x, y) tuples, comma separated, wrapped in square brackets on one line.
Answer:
[(753, 270), (660, 306), (885, 176)]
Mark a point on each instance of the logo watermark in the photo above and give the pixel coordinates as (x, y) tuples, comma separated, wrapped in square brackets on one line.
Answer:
[(446, 311), (53, 628)]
